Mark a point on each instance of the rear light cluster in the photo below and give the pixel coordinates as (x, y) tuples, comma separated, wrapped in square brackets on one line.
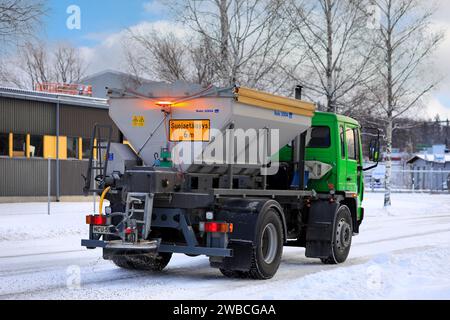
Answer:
[(216, 227), (96, 220)]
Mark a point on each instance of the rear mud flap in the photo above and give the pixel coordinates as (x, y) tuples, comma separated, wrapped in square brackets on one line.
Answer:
[(242, 256), (318, 240), (319, 236)]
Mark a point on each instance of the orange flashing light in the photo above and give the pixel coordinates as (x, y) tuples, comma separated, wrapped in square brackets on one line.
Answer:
[(164, 103)]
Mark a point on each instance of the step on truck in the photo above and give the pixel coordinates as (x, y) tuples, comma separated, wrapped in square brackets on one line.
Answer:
[(234, 174)]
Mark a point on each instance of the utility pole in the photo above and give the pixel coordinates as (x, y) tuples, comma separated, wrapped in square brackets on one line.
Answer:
[(58, 164), (446, 134)]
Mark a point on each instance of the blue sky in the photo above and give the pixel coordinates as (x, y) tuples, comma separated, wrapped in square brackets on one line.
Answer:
[(444, 98), (98, 17)]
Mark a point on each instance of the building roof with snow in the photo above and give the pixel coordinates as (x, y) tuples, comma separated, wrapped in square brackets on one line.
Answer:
[(431, 158), (112, 79), (65, 99)]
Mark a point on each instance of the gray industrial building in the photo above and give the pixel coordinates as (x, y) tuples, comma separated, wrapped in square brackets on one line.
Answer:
[(112, 79), (33, 127)]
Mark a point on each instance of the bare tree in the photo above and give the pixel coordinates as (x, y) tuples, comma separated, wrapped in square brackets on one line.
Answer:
[(69, 66), (18, 21), (246, 39), (43, 63), (19, 18), (168, 57), (36, 63), (160, 55), (404, 44), (331, 33), (201, 55)]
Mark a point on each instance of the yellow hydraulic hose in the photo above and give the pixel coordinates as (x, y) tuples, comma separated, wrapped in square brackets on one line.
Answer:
[(102, 198)]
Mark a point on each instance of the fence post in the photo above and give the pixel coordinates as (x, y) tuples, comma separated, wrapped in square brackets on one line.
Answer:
[(49, 184)]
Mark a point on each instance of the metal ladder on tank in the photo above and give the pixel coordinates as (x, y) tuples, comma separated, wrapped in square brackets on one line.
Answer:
[(100, 146), (139, 198)]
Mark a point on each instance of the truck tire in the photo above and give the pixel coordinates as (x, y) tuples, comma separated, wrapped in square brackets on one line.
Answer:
[(342, 237), (234, 274), (143, 262), (122, 262), (267, 254)]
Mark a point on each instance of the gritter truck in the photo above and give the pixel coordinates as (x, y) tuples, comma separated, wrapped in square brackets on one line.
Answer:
[(234, 174)]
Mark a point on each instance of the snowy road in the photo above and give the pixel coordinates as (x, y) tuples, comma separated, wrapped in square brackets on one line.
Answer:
[(401, 254)]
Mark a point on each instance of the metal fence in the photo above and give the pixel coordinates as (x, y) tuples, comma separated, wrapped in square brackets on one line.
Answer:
[(404, 180), (29, 177)]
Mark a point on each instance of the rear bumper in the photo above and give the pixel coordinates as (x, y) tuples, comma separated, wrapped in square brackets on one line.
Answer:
[(155, 246), (120, 245)]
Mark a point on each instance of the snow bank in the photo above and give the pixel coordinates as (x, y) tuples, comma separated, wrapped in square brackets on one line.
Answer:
[(30, 221), (420, 274)]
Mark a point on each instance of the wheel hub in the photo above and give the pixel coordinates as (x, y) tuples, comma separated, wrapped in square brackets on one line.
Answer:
[(343, 235), (269, 243)]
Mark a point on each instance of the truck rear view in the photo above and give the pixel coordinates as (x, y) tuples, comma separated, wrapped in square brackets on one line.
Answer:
[(234, 174)]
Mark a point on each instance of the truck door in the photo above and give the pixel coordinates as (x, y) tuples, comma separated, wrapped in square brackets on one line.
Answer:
[(352, 138)]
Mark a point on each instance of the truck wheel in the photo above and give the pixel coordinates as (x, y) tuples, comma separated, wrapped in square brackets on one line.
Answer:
[(269, 249), (143, 262), (266, 256), (342, 237)]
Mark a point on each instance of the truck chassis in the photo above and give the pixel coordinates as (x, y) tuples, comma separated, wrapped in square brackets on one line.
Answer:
[(155, 212)]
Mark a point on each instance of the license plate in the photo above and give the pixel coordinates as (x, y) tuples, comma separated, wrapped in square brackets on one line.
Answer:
[(101, 229)]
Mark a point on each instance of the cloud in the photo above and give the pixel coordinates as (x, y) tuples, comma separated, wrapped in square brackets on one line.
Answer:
[(155, 8), (435, 107), (439, 102), (109, 54), (96, 36)]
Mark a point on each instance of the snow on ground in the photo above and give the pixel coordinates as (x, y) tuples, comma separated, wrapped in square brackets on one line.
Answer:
[(402, 253)]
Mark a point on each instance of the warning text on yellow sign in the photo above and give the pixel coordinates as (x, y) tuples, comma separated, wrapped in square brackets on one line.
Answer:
[(190, 130)]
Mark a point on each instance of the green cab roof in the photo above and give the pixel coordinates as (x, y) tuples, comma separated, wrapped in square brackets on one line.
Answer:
[(326, 116)]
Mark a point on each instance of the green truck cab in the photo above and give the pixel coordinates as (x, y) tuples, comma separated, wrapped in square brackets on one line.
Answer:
[(335, 149), (336, 141)]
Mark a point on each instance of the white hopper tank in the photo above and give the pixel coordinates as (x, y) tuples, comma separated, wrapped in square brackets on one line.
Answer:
[(140, 116)]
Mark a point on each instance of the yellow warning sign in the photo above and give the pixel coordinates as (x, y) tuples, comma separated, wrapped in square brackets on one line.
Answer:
[(138, 121), (189, 130)]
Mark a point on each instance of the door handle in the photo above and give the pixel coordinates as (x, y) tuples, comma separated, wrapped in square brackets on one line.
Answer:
[(349, 179)]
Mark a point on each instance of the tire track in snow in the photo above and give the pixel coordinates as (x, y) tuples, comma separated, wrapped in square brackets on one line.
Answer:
[(40, 254), (404, 237)]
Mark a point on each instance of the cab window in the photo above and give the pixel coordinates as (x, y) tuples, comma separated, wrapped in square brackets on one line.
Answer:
[(351, 144), (342, 134), (320, 137), (357, 144)]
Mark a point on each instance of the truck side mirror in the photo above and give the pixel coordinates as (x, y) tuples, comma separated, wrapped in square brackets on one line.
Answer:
[(374, 150)]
